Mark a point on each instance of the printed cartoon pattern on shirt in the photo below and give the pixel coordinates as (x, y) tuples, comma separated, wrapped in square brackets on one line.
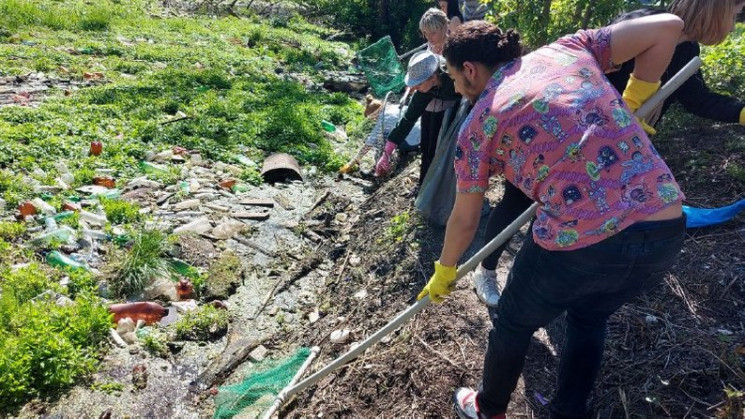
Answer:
[(553, 125)]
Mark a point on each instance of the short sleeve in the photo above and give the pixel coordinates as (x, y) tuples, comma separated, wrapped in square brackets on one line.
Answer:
[(472, 154), (597, 42)]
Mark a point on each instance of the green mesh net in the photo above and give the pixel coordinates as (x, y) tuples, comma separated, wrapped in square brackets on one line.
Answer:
[(380, 64), (254, 395)]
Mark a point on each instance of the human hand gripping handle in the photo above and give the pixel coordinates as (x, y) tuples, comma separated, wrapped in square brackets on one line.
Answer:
[(440, 285), (384, 163), (636, 93)]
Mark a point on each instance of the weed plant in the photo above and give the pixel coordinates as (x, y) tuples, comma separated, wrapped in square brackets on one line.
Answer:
[(143, 262), (120, 212), (202, 324), (44, 347)]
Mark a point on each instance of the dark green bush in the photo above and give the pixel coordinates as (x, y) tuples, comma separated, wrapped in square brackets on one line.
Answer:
[(724, 66)]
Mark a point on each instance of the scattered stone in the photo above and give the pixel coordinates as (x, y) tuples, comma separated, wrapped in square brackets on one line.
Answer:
[(185, 306), (187, 204), (339, 336), (341, 217), (258, 354), (650, 319), (223, 277), (284, 202), (217, 207), (198, 226), (139, 376), (313, 316), (361, 294), (161, 288), (354, 261)]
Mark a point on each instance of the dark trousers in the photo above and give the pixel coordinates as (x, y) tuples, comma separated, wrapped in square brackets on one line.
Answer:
[(513, 203), (589, 284), (430, 129)]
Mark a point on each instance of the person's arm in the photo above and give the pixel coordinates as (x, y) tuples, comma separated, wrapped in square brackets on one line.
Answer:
[(649, 40), (461, 227), (416, 108)]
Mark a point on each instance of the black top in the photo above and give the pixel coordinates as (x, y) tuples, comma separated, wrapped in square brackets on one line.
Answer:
[(695, 97), (418, 104)]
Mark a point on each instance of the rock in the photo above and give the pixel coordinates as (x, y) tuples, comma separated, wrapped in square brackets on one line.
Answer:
[(354, 261), (217, 207), (198, 226), (361, 294), (223, 277), (129, 337), (139, 376), (258, 354), (187, 204), (161, 288), (341, 217), (3, 203), (313, 316), (339, 336), (185, 306), (125, 325), (227, 229), (338, 82)]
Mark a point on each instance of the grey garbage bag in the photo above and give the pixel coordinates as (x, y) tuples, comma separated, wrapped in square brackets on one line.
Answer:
[(437, 193)]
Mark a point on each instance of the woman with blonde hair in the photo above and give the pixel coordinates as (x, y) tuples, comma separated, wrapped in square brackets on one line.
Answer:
[(434, 27)]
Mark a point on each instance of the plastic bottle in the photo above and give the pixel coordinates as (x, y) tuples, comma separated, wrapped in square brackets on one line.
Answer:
[(96, 148), (185, 289), (105, 181), (56, 258), (148, 311), (149, 167), (93, 219), (64, 234), (328, 126)]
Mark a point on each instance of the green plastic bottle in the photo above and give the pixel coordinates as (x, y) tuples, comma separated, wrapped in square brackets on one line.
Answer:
[(328, 126), (56, 258)]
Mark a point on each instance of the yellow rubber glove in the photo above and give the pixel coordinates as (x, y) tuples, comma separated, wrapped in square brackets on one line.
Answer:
[(742, 117), (441, 284), (636, 93)]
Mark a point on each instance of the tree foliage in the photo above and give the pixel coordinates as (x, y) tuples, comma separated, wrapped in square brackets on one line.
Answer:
[(378, 18), (542, 21)]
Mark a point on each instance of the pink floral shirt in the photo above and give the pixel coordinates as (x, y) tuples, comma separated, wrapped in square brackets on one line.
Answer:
[(556, 128)]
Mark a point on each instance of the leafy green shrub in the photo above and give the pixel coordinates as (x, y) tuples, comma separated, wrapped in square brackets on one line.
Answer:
[(723, 64), (9, 230), (143, 263), (119, 211), (44, 347), (204, 323), (155, 342)]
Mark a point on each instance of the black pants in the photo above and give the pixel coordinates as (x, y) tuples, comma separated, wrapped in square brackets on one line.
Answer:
[(589, 284), (513, 203), (430, 129)]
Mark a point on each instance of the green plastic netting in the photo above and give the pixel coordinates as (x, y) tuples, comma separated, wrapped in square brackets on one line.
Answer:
[(254, 395), (380, 64)]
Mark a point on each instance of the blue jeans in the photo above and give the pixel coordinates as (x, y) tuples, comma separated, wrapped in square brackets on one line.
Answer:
[(589, 284)]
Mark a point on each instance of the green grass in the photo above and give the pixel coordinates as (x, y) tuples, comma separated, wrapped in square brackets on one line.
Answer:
[(155, 67), (142, 263)]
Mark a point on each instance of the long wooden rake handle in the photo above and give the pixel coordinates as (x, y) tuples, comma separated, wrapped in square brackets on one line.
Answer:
[(502, 237)]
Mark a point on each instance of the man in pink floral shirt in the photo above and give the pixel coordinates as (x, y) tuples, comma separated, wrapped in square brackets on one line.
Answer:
[(610, 221)]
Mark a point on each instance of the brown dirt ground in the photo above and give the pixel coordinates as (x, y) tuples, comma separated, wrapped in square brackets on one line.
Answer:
[(677, 364)]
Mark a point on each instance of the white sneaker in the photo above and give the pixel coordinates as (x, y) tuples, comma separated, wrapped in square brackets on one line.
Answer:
[(485, 283)]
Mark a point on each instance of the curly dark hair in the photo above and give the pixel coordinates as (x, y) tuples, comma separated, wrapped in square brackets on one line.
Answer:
[(482, 42)]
